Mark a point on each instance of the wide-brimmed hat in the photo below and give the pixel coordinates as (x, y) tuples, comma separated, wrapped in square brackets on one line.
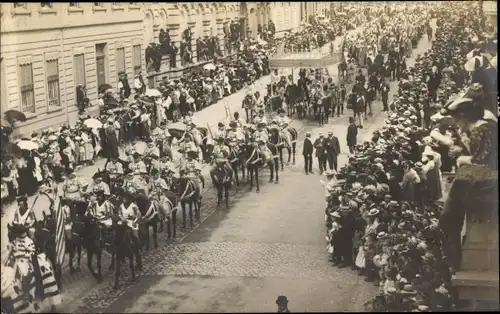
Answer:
[(335, 214), (408, 289), (373, 212), (381, 235)]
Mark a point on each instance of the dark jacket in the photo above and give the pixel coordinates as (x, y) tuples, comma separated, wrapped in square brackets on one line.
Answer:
[(320, 145), (352, 133), (332, 146), (308, 147)]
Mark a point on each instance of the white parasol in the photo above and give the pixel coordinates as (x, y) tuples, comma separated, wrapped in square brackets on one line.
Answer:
[(140, 147), (93, 123), (209, 66), (28, 145), (153, 92)]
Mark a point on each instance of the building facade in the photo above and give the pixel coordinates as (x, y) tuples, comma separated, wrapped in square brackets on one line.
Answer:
[(490, 11), (48, 49)]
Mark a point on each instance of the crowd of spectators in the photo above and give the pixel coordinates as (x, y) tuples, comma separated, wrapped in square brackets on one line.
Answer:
[(385, 213)]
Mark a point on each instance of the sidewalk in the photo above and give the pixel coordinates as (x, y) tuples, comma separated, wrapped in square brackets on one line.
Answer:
[(208, 116)]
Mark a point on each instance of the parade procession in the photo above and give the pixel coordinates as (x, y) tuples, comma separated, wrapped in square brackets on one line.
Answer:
[(337, 156)]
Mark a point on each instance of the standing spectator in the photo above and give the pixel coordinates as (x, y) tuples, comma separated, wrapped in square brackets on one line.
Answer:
[(332, 150), (352, 133), (307, 152), (385, 95), (173, 55), (320, 146), (137, 84), (126, 86), (81, 95), (121, 87)]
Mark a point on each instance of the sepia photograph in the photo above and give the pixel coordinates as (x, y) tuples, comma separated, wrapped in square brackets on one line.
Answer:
[(246, 157)]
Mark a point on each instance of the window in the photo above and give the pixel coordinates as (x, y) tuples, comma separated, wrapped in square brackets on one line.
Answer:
[(79, 69), (46, 5), (27, 89), (120, 60), (100, 60), (23, 5), (74, 4), (97, 4), (53, 83), (136, 58)]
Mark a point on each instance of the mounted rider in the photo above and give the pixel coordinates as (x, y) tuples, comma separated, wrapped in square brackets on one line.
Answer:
[(159, 187), (129, 214), (284, 122), (189, 146), (73, 188), (152, 150), (102, 210), (115, 168), (239, 121), (260, 118), (24, 217), (249, 103), (138, 166), (98, 185), (191, 168), (221, 131), (221, 152), (261, 137), (235, 137), (194, 132)]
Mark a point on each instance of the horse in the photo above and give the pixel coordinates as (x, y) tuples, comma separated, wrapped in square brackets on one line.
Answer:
[(124, 247), (236, 160), (255, 160), (276, 140), (169, 207), (189, 193), (222, 175), (150, 212)]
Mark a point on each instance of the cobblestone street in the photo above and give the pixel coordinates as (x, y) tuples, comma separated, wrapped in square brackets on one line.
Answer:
[(239, 260)]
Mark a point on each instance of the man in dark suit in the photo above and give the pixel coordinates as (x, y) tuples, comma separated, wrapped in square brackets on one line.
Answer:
[(352, 133), (332, 150), (320, 146), (385, 95), (307, 152)]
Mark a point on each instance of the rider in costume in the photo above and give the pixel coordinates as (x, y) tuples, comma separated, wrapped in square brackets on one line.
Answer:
[(221, 131), (188, 146), (249, 103), (98, 185), (159, 186), (221, 152), (191, 168), (129, 213), (262, 137), (24, 217), (284, 122), (260, 118), (72, 188), (115, 168), (138, 166), (239, 121)]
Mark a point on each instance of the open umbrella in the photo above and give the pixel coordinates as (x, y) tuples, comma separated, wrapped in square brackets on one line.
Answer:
[(103, 87), (152, 92), (93, 123), (28, 145), (140, 147), (209, 66), (13, 115)]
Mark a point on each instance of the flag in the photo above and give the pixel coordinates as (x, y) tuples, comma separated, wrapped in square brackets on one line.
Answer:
[(60, 237)]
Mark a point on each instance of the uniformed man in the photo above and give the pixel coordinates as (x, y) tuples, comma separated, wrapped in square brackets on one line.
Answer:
[(249, 103), (261, 137), (260, 118), (138, 166), (72, 188), (192, 168), (115, 168), (159, 186), (221, 131), (221, 150), (188, 146), (98, 185)]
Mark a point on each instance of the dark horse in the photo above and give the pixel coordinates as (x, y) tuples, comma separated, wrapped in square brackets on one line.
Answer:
[(221, 178), (189, 193), (124, 246), (255, 160), (206, 147), (277, 141), (150, 212), (237, 159)]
